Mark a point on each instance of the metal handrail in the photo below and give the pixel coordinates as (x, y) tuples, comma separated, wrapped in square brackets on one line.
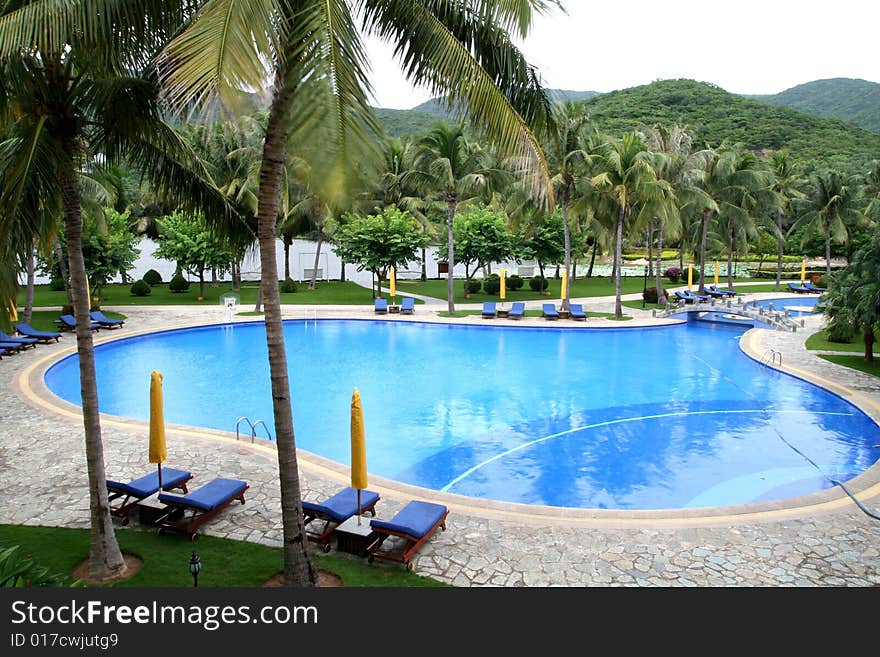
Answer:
[(254, 429), (238, 424)]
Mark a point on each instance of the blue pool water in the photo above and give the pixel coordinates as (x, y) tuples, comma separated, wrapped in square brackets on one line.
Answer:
[(651, 418), (797, 305)]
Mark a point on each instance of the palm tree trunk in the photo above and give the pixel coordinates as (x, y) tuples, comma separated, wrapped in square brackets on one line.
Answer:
[(658, 274), (729, 254), (105, 558), (868, 336), (29, 298), (214, 281), (618, 255), (424, 264), (827, 249), (704, 234), (650, 243), (317, 260), (450, 242), (65, 272), (780, 243), (298, 568), (236, 276), (258, 306), (593, 258), (286, 258), (567, 237)]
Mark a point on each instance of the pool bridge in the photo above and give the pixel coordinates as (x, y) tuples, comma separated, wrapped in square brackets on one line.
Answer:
[(726, 310)]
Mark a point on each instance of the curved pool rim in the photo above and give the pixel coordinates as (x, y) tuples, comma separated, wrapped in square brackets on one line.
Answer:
[(30, 384)]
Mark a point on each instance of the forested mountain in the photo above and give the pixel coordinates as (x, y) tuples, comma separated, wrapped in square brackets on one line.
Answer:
[(853, 100)]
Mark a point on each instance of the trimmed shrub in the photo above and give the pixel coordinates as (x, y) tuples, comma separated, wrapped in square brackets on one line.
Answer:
[(288, 286), (178, 283), (472, 287), (514, 282), (840, 331), (538, 284), (56, 285), (492, 284), (822, 282), (140, 288), (674, 274), (650, 295), (152, 278)]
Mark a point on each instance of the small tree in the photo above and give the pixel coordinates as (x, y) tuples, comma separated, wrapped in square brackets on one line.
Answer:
[(189, 243), (481, 237), (545, 243), (377, 242)]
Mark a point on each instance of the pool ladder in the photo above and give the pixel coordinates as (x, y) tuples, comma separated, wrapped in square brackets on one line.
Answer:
[(253, 426), (770, 357)]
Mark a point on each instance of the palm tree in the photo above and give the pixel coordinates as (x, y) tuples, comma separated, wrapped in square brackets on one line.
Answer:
[(70, 96), (461, 170), (786, 181), (567, 154), (314, 56), (629, 182), (832, 199)]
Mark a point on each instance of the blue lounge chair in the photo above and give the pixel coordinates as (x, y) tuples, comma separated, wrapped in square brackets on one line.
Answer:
[(105, 321), (726, 293), (381, 305), (334, 511), (203, 503), (135, 491), (794, 287), (489, 310), (42, 336), (68, 323), (698, 297), (407, 306), (576, 312), (415, 524), (517, 310), (813, 288), (549, 311), (11, 347), (24, 342)]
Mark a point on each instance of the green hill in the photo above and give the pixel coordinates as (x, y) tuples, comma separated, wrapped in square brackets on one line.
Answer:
[(407, 122), (852, 100), (716, 115), (436, 107)]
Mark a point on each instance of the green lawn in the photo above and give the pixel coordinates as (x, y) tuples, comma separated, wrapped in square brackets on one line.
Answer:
[(583, 287), (819, 341), (854, 362), (224, 562), (330, 292), (44, 320)]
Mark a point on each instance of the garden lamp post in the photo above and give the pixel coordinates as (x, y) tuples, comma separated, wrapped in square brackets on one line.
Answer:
[(195, 565)]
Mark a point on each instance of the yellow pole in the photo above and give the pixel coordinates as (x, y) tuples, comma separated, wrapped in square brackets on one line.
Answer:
[(13, 311), (358, 448), (690, 277), (393, 282), (716, 273), (803, 271), (503, 291), (88, 293), (564, 289), (158, 452)]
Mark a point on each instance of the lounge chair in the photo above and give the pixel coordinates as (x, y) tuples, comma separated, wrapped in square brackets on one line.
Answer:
[(489, 310), (549, 311), (381, 305), (68, 323), (407, 306), (415, 524), (813, 288), (24, 342), (794, 287), (203, 504), (576, 312), (11, 347), (42, 336), (726, 293), (105, 321), (334, 511), (517, 310), (135, 491)]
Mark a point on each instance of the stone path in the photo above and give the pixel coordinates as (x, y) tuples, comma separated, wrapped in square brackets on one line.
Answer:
[(43, 482)]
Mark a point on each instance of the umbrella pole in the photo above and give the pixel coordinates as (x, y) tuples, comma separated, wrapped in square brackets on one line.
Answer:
[(359, 506), (159, 465)]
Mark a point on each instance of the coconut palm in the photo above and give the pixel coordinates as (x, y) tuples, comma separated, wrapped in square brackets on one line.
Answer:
[(460, 170), (313, 54), (629, 183), (71, 95), (831, 200), (786, 181)]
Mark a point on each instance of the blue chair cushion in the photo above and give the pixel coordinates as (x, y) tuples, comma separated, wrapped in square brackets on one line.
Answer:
[(149, 484), (415, 519), (550, 309), (408, 303), (212, 494), (343, 505), (28, 331)]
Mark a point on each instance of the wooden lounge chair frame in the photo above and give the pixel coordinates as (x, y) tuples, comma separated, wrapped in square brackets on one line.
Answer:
[(130, 501), (176, 520), (330, 524), (410, 547)]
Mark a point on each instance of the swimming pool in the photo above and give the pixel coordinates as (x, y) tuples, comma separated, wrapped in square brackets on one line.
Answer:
[(797, 305), (664, 417)]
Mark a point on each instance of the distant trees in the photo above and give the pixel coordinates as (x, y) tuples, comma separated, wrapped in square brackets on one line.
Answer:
[(481, 238), (192, 246)]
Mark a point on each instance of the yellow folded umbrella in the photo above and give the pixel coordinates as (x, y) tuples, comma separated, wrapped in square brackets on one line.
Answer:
[(158, 451), (13, 311), (88, 293), (803, 271), (503, 290), (358, 448), (716, 273), (690, 277), (393, 282), (564, 288)]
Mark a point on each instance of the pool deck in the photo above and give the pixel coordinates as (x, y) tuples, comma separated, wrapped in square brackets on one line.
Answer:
[(818, 540)]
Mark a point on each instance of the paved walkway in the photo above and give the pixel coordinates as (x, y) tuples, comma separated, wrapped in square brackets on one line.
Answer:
[(823, 541)]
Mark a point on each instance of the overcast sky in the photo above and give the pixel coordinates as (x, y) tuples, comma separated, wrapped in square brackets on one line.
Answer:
[(743, 46)]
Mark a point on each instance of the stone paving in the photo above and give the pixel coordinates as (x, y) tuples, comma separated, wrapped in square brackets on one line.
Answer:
[(833, 543)]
